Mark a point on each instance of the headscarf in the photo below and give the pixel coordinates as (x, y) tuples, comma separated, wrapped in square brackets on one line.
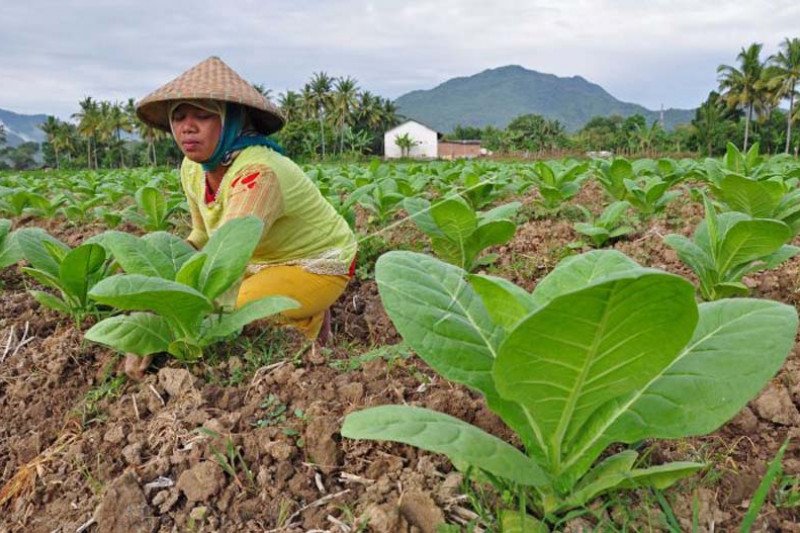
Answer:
[(237, 132)]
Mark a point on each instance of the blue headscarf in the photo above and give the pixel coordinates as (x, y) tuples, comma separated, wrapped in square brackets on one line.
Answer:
[(234, 137), (235, 134)]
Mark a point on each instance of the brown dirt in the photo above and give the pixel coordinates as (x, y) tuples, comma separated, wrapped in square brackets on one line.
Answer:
[(202, 449)]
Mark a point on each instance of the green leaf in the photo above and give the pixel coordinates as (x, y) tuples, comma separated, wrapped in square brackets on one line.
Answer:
[(229, 249), (174, 249), (491, 233), (31, 243), (455, 218), (516, 522), (419, 211), (441, 433), (137, 256), (258, 309), (151, 201), (661, 476), (139, 333), (444, 321), (748, 240), (737, 347), (10, 251), (189, 272), (756, 198), (579, 271), (50, 301), (588, 347), (44, 278), (505, 302), (78, 267), (133, 292)]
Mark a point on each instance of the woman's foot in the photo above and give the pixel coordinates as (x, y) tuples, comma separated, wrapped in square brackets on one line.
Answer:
[(136, 365)]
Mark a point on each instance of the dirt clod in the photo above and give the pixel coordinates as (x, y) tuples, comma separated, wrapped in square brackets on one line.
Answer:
[(124, 508), (420, 510), (201, 482), (775, 405)]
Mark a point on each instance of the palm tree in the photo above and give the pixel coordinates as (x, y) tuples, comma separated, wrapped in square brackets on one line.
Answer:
[(783, 75), (89, 120), (741, 87), (320, 91), (709, 117), (50, 128), (64, 139), (261, 88), (344, 100), (291, 104), (119, 120)]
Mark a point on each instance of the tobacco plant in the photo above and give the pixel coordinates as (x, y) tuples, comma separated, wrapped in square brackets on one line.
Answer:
[(602, 352), (612, 224), (458, 233), (180, 297), (760, 198), (9, 250), (558, 183), (727, 246), (70, 271)]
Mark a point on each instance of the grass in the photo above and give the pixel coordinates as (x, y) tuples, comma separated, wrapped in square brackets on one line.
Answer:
[(109, 387)]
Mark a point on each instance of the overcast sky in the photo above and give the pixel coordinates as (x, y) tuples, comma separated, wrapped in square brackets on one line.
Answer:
[(651, 52)]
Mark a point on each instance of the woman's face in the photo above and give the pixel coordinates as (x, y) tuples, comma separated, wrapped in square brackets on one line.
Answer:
[(196, 131)]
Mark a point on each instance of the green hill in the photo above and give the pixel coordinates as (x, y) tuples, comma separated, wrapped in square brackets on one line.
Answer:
[(496, 96)]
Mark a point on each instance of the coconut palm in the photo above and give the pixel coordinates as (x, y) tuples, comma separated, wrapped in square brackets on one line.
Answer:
[(320, 92), (344, 100), (50, 128), (89, 123), (783, 75), (291, 104), (741, 87)]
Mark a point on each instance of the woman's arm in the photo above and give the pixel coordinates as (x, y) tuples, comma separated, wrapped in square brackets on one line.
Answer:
[(255, 191)]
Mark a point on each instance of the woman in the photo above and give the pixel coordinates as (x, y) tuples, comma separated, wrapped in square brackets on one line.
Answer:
[(231, 169)]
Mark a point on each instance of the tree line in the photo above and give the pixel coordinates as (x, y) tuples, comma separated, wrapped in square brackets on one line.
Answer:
[(329, 117), (744, 108), (333, 117)]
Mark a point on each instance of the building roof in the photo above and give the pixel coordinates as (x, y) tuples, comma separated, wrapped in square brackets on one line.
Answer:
[(439, 135)]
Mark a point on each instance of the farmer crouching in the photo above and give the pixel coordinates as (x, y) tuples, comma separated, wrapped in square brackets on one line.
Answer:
[(231, 169)]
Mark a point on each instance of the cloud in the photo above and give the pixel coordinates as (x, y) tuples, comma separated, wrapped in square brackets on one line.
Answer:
[(55, 53)]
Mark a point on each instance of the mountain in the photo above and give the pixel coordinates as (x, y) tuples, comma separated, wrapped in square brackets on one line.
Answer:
[(496, 96), (22, 128)]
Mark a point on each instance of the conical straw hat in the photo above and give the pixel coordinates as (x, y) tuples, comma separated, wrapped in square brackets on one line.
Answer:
[(215, 80)]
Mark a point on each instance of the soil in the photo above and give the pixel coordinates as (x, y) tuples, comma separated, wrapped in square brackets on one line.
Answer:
[(229, 445)]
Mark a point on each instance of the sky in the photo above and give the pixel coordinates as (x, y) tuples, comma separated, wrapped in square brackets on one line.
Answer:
[(650, 52)]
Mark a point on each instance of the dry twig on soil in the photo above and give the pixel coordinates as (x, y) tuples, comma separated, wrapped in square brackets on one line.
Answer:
[(13, 342)]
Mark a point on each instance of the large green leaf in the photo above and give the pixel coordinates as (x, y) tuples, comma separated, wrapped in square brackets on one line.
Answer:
[(455, 218), (78, 268), (441, 433), (587, 347), (139, 333), (748, 240), (31, 242), (228, 250), (737, 347), (756, 198), (10, 252), (174, 249), (262, 308), (133, 292), (579, 271), (137, 256), (151, 201), (505, 302), (419, 210), (444, 321)]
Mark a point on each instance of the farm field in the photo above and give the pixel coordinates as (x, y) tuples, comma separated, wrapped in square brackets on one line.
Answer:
[(244, 432)]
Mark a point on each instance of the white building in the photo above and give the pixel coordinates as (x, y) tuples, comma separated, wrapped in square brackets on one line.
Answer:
[(424, 138)]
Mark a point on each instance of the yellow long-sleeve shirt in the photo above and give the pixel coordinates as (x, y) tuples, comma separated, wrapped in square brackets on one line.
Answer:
[(300, 226)]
